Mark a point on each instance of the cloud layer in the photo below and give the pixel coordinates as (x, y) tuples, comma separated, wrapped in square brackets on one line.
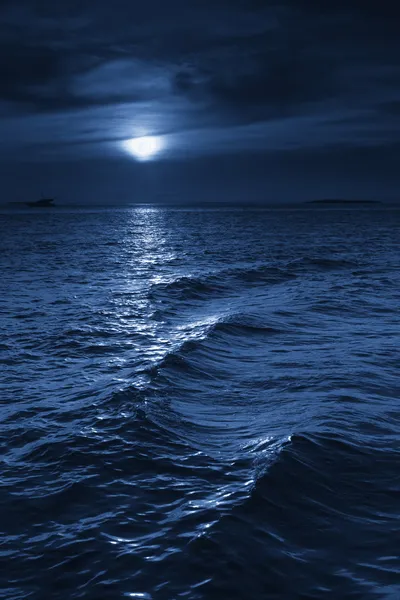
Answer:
[(213, 76)]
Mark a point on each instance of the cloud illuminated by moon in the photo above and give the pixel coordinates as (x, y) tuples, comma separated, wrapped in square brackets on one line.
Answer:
[(144, 148)]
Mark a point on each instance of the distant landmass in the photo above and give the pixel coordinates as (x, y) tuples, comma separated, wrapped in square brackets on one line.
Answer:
[(343, 201)]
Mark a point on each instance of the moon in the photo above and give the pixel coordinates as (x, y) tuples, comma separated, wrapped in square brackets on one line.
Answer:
[(144, 148)]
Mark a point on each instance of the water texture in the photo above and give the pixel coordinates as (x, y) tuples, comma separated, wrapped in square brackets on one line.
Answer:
[(199, 404)]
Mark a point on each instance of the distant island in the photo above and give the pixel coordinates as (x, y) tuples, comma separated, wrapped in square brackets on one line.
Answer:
[(341, 201)]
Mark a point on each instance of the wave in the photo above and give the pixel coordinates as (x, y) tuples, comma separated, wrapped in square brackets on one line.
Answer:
[(206, 338), (264, 273), (316, 513), (253, 274), (238, 327), (186, 287), (309, 263), (220, 282)]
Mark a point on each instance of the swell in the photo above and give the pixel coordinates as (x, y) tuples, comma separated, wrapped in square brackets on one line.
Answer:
[(187, 287), (310, 263), (220, 282), (143, 412), (173, 400), (252, 274), (325, 510), (211, 337), (244, 325)]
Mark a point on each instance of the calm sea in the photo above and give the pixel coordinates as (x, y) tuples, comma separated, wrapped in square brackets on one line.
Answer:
[(199, 404)]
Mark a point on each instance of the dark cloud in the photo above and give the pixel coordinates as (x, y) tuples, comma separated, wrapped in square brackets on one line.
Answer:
[(391, 108), (364, 8), (274, 88), (36, 76), (241, 55)]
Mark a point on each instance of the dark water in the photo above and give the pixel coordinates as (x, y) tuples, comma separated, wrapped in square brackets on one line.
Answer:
[(200, 404)]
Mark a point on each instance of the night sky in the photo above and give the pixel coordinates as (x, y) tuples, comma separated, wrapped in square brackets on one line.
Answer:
[(249, 100)]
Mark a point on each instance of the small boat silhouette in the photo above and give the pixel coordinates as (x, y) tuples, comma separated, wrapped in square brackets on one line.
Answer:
[(42, 203)]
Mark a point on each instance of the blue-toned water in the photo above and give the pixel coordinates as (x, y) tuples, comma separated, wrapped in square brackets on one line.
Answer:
[(199, 404)]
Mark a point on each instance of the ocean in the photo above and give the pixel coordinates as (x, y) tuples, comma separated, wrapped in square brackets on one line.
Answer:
[(199, 404)]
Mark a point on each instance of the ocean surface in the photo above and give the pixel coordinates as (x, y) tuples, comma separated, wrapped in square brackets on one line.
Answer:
[(199, 404)]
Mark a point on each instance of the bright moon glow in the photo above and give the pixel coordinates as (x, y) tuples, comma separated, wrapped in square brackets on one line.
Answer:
[(144, 148)]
